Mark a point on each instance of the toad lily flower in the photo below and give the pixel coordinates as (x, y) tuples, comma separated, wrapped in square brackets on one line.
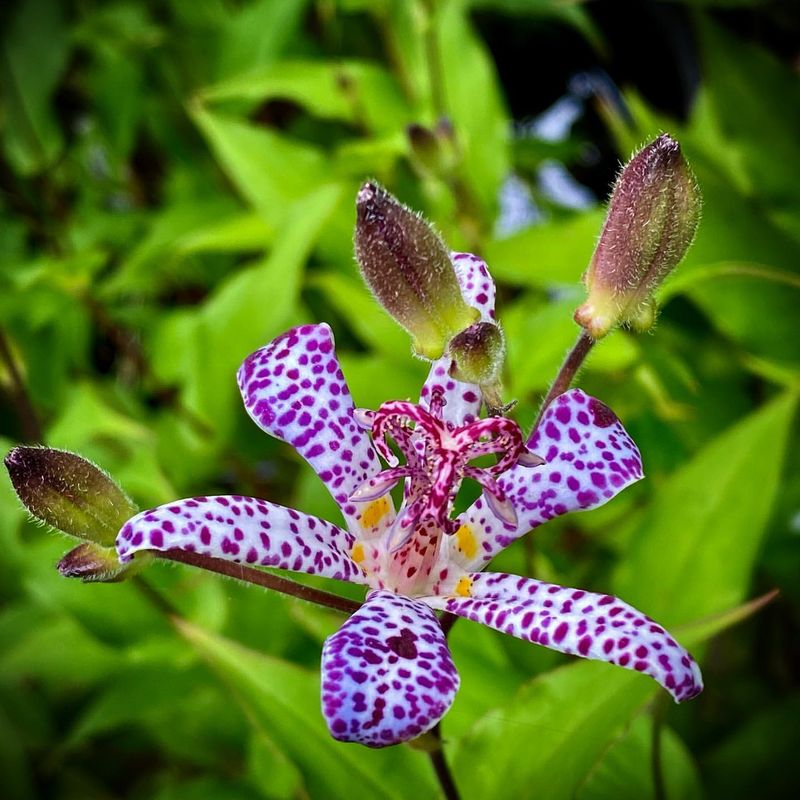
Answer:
[(387, 674)]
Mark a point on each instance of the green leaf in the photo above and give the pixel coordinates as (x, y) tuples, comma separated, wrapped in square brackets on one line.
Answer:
[(625, 771), (373, 382), (555, 252), (81, 662), (282, 701), (706, 628), (767, 740), (29, 73), (550, 325), (694, 550), (572, 713), (237, 234), (252, 307), (269, 169), (17, 774), (271, 769), (739, 304), (472, 98), (258, 34), (372, 324), (732, 68), (149, 694), (352, 91)]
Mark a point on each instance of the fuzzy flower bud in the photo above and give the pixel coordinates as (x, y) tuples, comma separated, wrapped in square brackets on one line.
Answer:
[(651, 221), (93, 563), (407, 266), (478, 353), (69, 493)]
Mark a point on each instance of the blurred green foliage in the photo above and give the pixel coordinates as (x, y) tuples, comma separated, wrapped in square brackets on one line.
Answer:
[(178, 187)]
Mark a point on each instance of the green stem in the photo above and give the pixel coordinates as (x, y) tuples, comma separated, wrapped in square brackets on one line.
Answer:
[(434, 59), (446, 622), (656, 766), (442, 769), (154, 597), (240, 572), (572, 363), (31, 428)]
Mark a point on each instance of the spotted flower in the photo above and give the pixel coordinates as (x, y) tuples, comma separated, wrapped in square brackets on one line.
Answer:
[(387, 673)]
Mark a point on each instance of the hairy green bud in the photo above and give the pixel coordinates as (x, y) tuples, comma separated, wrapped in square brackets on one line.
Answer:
[(69, 493), (93, 563), (651, 221), (478, 354), (408, 268)]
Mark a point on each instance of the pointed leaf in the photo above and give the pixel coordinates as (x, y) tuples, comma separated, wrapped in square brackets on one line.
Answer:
[(283, 699), (694, 551), (573, 714)]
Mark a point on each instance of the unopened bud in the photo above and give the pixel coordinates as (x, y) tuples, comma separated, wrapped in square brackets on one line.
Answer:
[(93, 563), (69, 493), (433, 150), (408, 268), (651, 221), (478, 353)]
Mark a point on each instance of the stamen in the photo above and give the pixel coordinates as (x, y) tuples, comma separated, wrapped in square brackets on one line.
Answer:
[(496, 498), (379, 484), (364, 417), (437, 403), (438, 458), (529, 459)]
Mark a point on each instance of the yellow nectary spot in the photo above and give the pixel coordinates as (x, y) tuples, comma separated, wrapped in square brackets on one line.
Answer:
[(357, 553), (467, 543), (375, 512), (464, 586)]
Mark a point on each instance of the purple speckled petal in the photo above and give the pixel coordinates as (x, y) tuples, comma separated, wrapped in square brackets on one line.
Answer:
[(580, 623), (245, 530), (477, 286), (294, 390), (463, 400), (387, 673), (589, 458)]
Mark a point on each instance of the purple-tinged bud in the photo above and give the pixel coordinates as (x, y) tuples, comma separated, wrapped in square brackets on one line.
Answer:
[(478, 354), (408, 268), (651, 221), (93, 563), (69, 493)]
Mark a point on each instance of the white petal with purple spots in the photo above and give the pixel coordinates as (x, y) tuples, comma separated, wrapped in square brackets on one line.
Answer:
[(580, 623), (387, 673), (294, 390), (589, 458), (477, 286), (245, 530), (463, 400)]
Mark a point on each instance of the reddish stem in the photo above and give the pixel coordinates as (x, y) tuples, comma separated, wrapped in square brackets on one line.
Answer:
[(240, 572), (572, 363)]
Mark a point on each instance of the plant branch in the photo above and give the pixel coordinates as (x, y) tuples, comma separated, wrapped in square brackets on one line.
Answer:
[(31, 428), (656, 765), (441, 767), (572, 363), (240, 572)]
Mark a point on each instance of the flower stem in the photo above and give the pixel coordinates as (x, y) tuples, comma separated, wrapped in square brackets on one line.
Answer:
[(442, 769), (572, 363), (240, 572), (29, 421), (659, 787), (446, 621)]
